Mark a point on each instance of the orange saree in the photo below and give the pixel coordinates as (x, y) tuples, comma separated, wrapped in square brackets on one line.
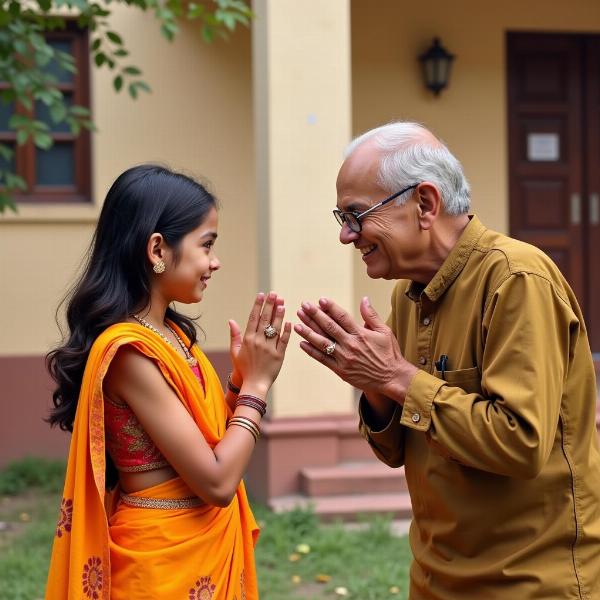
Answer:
[(157, 544)]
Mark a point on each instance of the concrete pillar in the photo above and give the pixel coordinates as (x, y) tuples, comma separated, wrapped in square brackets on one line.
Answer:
[(302, 109)]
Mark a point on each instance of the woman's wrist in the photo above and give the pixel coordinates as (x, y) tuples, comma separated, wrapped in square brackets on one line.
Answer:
[(255, 388)]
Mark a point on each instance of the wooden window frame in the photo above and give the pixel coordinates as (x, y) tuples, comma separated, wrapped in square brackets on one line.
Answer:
[(25, 155)]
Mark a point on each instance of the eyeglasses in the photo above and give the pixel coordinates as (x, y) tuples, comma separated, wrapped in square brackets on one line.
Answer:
[(353, 218)]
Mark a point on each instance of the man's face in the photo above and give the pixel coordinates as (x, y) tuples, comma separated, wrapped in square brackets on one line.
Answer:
[(390, 241)]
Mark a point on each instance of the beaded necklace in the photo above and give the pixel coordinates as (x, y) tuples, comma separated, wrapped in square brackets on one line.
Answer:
[(188, 356)]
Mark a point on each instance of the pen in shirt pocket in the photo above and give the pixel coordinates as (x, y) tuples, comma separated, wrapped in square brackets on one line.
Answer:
[(442, 364)]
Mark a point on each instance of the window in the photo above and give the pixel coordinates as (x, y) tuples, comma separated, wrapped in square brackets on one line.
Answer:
[(61, 173)]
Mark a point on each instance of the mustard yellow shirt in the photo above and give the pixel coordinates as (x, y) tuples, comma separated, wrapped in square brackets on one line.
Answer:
[(500, 452)]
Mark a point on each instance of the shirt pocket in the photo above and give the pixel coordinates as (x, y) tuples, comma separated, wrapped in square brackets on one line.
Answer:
[(468, 380)]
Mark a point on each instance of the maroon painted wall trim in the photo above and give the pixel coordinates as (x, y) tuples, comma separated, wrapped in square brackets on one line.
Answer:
[(25, 400)]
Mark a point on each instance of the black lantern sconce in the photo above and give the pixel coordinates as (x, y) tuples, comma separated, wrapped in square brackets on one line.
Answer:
[(436, 63)]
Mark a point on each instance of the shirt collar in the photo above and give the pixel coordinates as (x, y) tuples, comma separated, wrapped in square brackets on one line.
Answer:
[(452, 266)]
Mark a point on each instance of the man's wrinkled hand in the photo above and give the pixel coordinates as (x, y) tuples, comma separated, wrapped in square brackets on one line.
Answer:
[(365, 356)]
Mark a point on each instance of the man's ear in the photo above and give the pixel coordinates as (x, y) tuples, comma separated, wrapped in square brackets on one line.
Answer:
[(155, 249), (429, 204)]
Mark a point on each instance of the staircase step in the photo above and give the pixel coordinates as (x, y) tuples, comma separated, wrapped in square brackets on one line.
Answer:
[(347, 507), (371, 477)]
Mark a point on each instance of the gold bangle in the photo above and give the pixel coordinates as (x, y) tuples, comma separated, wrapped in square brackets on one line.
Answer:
[(247, 421), (247, 428)]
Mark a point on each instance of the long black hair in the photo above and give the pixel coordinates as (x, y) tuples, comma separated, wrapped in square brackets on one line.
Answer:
[(116, 279)]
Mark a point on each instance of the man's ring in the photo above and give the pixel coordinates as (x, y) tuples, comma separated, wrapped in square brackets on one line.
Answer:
[(270, 331), (329, 350)]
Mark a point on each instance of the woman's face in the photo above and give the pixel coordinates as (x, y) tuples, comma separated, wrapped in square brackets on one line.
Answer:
[(186, 280)]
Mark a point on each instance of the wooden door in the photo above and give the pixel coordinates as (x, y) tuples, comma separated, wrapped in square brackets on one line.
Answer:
[(554, 155)]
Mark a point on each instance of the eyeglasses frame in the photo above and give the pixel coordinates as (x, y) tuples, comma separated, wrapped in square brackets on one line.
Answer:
[(359, 216)]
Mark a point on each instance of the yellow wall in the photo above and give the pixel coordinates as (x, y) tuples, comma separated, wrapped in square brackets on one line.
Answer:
[(198, 119), (470, 116)]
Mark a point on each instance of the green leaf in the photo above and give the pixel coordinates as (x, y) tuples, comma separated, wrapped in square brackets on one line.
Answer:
[(142, 85), (133, 91), (14, 182), (114, 37), (195, 11), (96, 44), (80, 111), (37, 41), (89, 125), (118, 83), (58, 112), (22, 136), (42, 59), (45, 96), (6, 152), (100, 59), (7, 202), (26, 102), (121, 52), (20, 46), (42, 140), (208, 33), (132, 71)]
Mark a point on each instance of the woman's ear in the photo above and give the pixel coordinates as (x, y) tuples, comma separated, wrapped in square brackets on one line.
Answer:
[(155, 249), (429, 204)]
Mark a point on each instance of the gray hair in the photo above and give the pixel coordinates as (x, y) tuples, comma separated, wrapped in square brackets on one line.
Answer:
[(409, 155)]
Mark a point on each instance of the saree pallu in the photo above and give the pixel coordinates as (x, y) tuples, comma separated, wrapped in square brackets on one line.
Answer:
[(156, 543)]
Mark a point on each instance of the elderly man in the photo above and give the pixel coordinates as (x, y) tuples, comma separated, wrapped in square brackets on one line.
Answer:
[(481, 384)]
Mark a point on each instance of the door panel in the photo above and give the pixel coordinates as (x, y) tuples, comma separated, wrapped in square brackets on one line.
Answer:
[(592, 164), (554, 146)]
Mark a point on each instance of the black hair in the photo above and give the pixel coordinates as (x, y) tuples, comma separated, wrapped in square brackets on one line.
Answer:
[(117, 275)]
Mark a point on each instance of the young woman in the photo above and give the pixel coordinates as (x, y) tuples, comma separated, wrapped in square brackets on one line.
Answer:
[(154, 506)]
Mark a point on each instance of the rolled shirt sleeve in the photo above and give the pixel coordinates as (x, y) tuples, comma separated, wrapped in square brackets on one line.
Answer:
[(387, 443), (509, 427)]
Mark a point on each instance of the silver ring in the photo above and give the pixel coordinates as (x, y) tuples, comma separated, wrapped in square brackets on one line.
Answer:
[(270, 331), (329, 350)]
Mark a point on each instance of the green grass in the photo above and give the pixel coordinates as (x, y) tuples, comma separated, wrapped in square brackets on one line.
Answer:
[(26, 544), (367, 561), (47, 475)]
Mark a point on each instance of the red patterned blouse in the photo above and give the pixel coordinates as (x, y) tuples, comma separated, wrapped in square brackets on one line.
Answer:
[(129, 446)]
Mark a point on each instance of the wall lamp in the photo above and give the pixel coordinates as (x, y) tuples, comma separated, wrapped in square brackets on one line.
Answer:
[(436, 63)]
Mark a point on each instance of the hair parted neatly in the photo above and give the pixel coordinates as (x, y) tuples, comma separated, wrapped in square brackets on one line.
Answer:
[(408, 156)]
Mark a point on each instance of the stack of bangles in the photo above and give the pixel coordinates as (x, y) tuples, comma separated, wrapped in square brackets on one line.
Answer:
[(246, 399), (252, 402), (246, 423)]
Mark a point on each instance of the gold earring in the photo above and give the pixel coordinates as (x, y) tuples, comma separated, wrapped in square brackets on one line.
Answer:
[(159, 267)]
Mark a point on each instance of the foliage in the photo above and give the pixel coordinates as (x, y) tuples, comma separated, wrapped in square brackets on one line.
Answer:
[(25, 57), (47, 475)]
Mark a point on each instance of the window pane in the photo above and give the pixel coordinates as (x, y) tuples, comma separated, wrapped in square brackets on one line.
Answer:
[(55, 166), (6, 110), (53, 66), (8, 165), (42, 113)]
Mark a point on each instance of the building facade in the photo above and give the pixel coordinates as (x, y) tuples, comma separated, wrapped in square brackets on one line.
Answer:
[(264, 119)]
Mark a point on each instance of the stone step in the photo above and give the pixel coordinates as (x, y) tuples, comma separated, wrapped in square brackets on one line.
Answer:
[(347, 507), (357, 477)]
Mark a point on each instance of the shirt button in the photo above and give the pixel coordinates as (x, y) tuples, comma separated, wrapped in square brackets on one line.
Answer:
[(416, 417), (426, 321), (422, 360)]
